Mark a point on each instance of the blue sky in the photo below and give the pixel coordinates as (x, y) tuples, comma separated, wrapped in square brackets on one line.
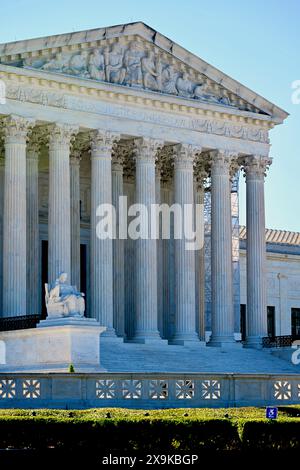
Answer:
[(256, 42)]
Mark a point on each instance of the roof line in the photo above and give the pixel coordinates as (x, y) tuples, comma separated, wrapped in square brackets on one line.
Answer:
[(150, 34)]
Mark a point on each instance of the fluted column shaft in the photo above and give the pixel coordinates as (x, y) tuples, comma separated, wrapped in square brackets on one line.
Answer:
[(59, 222), (159, 255), (2, 167), (33, 237), (146, 327), (221, 251), (185, 300), (101, 248), (255, 168), (200, 263), (75, 218), (118, 249), (14, 219)]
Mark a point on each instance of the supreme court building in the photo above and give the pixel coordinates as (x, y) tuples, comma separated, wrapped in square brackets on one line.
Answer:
[(94, 115)]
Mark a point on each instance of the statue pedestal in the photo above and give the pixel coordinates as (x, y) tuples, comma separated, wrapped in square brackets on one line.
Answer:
[(54, 345)]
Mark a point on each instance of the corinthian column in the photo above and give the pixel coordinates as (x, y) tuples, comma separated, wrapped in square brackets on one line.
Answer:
[(199, 255), (59, 254), (185, 300), (255, 169), (221, 251), (75, 217), (146, 327), (14, 219), (2, 162), (101, 248), (159, 254), (33, 237), (118, 245)]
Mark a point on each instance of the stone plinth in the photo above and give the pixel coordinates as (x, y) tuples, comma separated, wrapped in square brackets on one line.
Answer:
[(54, 345)]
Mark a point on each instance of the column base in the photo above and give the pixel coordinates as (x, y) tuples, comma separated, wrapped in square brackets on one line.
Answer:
[(185, 339), (226, 342), (146, 337), (110, 333), (254, 342)]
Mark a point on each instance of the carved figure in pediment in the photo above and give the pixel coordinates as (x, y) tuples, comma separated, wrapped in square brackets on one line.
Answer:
[(132, 63), (185, 86), (114, 70), (203, 92), (96, 65), (78, 64), (168, 78), (34, 62), (151, 69), (59, 63)]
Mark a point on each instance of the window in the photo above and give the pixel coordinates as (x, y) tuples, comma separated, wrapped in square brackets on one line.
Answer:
[(271, 321), (296, 322)]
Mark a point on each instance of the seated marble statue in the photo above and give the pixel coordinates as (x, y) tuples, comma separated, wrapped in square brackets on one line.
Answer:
[(64, 300)]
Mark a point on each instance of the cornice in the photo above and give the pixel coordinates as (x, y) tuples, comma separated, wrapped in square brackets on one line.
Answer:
[(59, 82), (38, 88)]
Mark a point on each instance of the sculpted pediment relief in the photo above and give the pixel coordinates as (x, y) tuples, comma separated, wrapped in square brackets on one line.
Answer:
[(136, 64)]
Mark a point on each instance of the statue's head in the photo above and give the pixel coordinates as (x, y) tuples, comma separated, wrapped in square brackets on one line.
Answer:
[(63, 277)]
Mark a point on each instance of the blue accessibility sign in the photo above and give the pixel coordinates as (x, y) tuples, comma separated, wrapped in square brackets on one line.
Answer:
[(271, 412)]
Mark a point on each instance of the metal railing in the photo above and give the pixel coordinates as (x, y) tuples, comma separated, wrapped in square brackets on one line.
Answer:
[(21, 322), (278, 341)]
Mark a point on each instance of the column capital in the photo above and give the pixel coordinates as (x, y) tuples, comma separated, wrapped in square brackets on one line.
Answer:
[(158, 169), (75, 158), (200, 176), (184, 156), (256, 166), (16, 129), (146, 148), (221, 160), (61, 134), (2, 158), (33, 147), (119, 154), (75, 153), (103, 142)]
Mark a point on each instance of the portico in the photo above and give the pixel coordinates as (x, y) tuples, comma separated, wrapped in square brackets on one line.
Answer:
[(142, 124)]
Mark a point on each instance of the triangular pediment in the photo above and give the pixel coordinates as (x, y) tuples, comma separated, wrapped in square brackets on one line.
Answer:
[(136, 56)]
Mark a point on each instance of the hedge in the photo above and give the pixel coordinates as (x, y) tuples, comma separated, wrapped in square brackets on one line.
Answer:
[(133, 432), (115, 436), (271, 435)]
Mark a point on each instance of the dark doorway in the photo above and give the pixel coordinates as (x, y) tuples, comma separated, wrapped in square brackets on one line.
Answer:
[(271, 321), (83, 272), (243, 321), (44, 275)]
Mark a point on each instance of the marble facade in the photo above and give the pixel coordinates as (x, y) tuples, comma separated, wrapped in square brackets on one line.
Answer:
[(119, 111)]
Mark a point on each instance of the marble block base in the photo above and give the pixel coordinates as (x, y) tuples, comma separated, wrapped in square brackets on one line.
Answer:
[(54, 345)]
